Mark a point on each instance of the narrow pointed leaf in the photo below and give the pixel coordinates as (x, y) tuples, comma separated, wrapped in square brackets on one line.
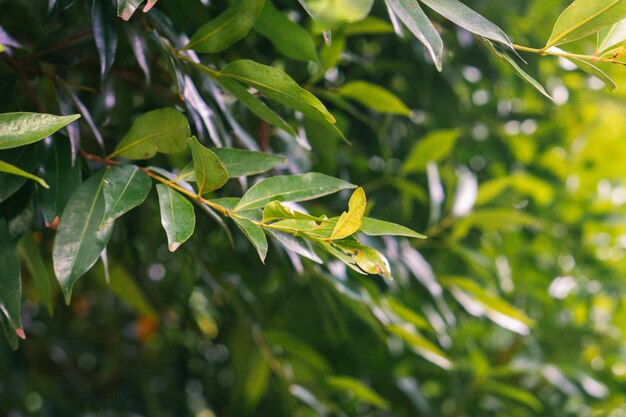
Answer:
[(359, 390), (210, 173), (295, 244), (80, 240), (433, 147), (584, 17), (290, 188), (125, 187), (279, 86), (374, 97), (375, 227), (240, 163), (592, 70), (10, 280), (177, 216), (611, 37), (277, 211), (423, 346), (13, 170), (164, 130), (31, 255), (126, 8), (468, 19), (226, 29), (255, 234), (19, 129), (57, 169), (289, 38), (349, 222), (104, 34), (414, 18), (22, 158)]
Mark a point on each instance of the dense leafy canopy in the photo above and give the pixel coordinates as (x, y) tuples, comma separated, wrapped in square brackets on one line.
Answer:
[(218, 191)]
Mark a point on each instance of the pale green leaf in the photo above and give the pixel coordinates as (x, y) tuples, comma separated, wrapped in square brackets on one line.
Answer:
[(227, 28), (414, 18), (210, 173), (359, 390), (163, 130), (13, 170), (375, 227), (584, 17), (610, 38), (328, 13), (177, 216), (277, 211), (433, 147), (374, 97), (423, 346), (468, 19), (19, 129), (290, 188)]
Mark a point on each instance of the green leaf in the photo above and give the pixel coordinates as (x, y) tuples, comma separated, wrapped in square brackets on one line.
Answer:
[(124, 286), (277, 211), (375, 227), (295, 244), (210, 173), (414, 18), (468, 19), (9, 333), (359, 390), (423, 347), (19, 129), (10, 281), (289, 38), (367, 26), (290, 188), (241, 163), (13, 170), (374, 97), (349, 222), (502, 219), (328, 13), (360, 258), (164, 130), (518, 70), (80, 240), (31, 255), (255, 105), (584, 17), (2, 48), (592, 70), (125, 187), (63, 176), (255, 234), (23, 158), (228, 28), (610, 38), (512, 392), (279, 86), (433, 147), (104, 34), (177, 216)]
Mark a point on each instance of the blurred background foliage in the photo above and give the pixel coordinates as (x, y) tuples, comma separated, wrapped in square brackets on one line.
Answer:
[(513, 306)]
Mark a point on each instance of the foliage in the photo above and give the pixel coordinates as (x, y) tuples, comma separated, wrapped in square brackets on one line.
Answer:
[(237, 113)]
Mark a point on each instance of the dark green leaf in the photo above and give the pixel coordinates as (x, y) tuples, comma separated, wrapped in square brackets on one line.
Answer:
[(228, 28), (10, 281), (164, 130), (22, 158), (31, 255), (240, 163), (80, 240), (177, 216), (104, 33), (290, 188), (289, 38), (125, 187), (56, 168), (210, 173), (19, 129)]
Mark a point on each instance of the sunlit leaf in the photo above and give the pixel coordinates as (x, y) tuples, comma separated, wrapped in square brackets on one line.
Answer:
[(349, 222), (374, 97), (359, 390), (19, 129), (433, 147), (375, 227)]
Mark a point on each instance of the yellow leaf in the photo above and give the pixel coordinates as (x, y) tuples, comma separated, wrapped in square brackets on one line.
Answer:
[(350, 221)]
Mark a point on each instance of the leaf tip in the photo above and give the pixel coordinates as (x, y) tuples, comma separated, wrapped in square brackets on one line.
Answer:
[(20, 333)]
